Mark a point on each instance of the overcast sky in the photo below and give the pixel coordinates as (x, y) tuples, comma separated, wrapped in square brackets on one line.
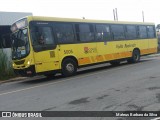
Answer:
[(128, 10)]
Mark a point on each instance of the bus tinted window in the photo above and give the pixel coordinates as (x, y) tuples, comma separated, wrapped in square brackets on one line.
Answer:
[(118, 32), (142, 32), (84, 32), (102, 32), (64, 32), (131, 32), (151, 33), (42, 35)]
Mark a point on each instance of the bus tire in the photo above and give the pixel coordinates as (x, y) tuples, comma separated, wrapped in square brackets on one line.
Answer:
[(69, 67), (115, 63), (135, 57)]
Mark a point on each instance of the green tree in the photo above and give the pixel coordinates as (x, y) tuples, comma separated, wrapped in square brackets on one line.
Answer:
[(6, 70)]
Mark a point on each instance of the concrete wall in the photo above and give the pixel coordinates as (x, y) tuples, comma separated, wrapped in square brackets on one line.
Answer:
[(8, 18)]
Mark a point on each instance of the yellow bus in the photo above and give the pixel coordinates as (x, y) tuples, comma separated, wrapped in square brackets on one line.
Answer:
[(49, 45)]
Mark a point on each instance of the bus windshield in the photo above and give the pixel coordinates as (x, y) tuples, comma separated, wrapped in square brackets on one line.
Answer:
[(20, 44)]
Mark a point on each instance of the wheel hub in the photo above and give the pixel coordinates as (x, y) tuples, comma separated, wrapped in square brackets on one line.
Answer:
[(70, 67)]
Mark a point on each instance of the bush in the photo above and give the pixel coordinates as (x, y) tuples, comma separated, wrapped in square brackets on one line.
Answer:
[(6, 70)]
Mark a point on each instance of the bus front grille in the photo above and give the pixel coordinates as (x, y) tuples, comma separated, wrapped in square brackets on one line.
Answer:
[(19, 62)]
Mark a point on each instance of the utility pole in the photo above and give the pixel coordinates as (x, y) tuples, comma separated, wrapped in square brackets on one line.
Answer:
[(115, 14), (143, 15)]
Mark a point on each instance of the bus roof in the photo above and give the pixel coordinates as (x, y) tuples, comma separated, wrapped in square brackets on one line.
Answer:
[(41, 18)]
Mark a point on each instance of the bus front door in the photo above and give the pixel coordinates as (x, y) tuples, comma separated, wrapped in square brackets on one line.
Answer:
[(47, 60), (46, 56)]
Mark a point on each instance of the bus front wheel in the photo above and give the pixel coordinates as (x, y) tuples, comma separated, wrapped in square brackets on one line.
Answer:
[(135, 57), (69, 67)]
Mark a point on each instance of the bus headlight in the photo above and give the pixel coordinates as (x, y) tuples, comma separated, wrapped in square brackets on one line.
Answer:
[(13, 64), (29, 62)]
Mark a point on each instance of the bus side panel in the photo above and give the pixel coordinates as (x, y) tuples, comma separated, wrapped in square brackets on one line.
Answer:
[(146, 46), (85, 53), (132, 44), (153, 45), (122, 47), (66, 50), (46, 60), (113, 50)]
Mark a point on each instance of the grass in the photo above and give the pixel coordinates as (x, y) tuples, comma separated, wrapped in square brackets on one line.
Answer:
[(6, 70)]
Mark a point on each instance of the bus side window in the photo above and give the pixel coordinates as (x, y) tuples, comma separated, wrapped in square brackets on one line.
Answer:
[(41, 39), (131, 32), (118, 32), (142, 32), (34, 35), (77, 32), (99, 32), (151, 31), (47, 35), (103, 33), (42, 35), (85, 32), (64, 32)]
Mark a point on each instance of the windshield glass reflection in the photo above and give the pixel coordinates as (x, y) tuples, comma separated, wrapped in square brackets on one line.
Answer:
[(20, 44)]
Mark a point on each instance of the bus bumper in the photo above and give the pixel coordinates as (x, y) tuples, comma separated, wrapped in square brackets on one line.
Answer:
[(27, 72)]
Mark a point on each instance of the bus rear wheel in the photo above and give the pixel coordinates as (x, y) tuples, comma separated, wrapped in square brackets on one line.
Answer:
[(135, 57), (69, 67)]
